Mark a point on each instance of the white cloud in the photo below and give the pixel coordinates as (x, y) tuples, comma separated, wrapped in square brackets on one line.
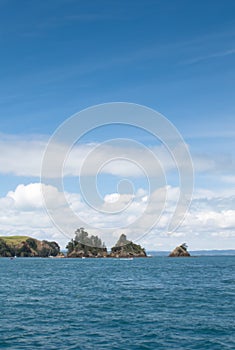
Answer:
[(112, 198), (26, 197), (211, 218), (230, 179), (23, 157), (29, 197)]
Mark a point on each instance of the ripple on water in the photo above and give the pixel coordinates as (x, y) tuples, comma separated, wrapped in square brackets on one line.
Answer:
[(156, 303)]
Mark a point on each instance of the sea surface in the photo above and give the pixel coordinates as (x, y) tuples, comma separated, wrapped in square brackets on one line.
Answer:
[(153, 303)]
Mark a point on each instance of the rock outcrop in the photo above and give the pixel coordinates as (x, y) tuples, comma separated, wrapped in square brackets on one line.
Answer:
[(180, 251), (83, 251), (127, 249), (85, 246), (24, 246)]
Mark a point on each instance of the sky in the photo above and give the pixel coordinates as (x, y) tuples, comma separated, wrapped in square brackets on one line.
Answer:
[(59, 57)]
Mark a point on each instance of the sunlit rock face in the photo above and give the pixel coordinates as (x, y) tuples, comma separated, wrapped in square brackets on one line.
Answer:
[(180, 251)]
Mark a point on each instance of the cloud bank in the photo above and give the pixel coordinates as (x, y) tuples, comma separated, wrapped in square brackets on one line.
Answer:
[(23, 157), (210, 220)]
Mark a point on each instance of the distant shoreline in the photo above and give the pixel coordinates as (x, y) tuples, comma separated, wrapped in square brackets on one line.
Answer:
[(156, 254)]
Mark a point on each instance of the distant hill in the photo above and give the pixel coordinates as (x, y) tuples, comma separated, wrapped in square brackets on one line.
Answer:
[(25, 246), (213, 252), (196, 252)]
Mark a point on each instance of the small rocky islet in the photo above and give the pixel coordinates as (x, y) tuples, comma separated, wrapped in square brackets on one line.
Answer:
[(180, 252), (127, 249)]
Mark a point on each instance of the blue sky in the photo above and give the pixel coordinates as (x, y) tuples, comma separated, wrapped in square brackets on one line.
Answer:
[(61, 56)]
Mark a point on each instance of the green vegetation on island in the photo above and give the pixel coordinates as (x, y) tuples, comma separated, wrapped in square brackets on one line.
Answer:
[(85, 246), (24, 246), (82, 246), (127, 249)]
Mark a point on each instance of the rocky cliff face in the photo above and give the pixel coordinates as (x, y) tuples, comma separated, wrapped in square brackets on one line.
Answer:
[(79, 250), (180, 251), (23, 246), (127, 249)]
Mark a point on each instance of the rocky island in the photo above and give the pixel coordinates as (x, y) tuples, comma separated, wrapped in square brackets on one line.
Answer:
[(24, 246), (127, 249), (85, 246), (82, 246), (180, 251)]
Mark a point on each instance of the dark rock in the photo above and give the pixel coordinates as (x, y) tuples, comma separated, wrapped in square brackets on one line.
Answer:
[(23, 246), (85, 246), (127, 249), (83, 251), (180, 251)]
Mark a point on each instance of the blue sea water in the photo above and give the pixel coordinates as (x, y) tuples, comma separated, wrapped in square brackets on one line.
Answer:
[(156, 303)]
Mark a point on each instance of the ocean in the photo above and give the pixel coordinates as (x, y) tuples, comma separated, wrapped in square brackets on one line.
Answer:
[(146, 303)]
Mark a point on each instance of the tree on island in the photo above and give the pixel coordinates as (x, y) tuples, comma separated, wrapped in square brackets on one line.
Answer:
[(84, 245), (83, 237), (24, 246), (6, 250), (126, 248)]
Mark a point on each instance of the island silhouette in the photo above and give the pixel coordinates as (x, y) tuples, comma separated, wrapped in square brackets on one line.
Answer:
[(82, 245)]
